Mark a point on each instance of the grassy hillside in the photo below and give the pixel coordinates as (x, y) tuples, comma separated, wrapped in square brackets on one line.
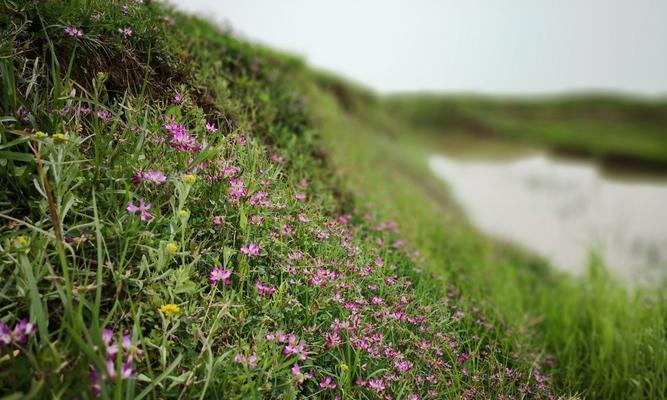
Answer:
[(171, 228), (598, 340), (614, 130), (184, 215)]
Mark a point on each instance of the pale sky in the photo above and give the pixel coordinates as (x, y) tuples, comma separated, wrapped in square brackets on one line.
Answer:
[(498, 47)]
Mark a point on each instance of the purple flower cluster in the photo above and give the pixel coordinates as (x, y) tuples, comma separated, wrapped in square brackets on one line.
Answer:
[(73, 32), (19, 335), (264, 290), (251, 250), (156, 177), (218, 275), (143, 208), (112, 349), (181, 139)]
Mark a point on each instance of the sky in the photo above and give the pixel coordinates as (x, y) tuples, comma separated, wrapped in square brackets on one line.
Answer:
[(493, 47)]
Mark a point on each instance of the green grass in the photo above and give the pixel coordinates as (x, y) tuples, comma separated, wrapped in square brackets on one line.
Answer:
[(598, 339), (125, 307)]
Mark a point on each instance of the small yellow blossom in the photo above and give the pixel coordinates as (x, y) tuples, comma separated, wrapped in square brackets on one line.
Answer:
[(40, 134), (190, 179), (344, 367), (22, 241), (184, 213), (170, 309), (59, 137), (172, 248)]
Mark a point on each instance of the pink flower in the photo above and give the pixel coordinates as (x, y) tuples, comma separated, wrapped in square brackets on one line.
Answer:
[(332, 340), (5, 336), (378, 385), (282, 336), (300, 196), (218, 274), (21, 332), (180, 137), (328, 383), (73, 32), (103, 115), (217, 221), (156, 177), (178, 99), (303, 218), (211, 128), (143, 209), (264, 290), (402, 365), (252, 360), (378, 262), (286, 230), (126, 32), (298, 375), (251, 250), (237, 189)]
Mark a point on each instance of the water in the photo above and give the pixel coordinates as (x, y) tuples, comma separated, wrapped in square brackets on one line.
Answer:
[(563, 210)]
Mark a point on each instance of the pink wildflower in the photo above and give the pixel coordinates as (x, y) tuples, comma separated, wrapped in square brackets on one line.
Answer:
[(103, 115), (251, 250), (217, 221), (218, 274), (298, 375), (178, 99), (332, 340), (156, 177), (143, 209), (328, 383), (21, 332), (300, 196), (252, 360), (211, 128), (180, 137), (264, 290), (73, 32), (5, 336), (126, 32)]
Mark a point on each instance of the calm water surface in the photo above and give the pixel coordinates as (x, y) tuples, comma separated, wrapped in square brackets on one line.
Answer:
[(564, 210)]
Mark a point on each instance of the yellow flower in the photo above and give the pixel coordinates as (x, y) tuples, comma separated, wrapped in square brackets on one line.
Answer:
[(22, 241), (184, 213), (40, 134), (172, 248), (59, 137), (170, 309), (344, 367), (190, 179)]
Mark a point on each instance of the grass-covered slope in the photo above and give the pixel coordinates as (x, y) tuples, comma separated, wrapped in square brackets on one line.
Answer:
[(615, 130), (172, 228), (596, 338)]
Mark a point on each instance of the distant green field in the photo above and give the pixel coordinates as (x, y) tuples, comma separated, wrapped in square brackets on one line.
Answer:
[(615, 130)]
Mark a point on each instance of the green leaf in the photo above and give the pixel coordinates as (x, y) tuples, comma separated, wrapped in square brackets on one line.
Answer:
[(16, 156)]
